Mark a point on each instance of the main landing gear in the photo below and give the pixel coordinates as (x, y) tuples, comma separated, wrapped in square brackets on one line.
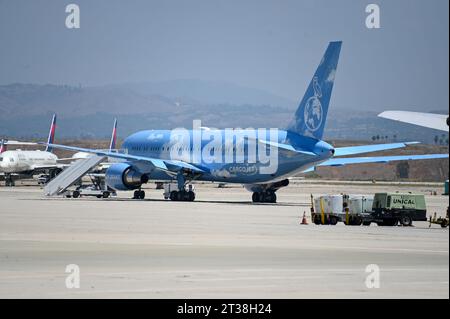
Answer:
[(264, 197), (9, 181), (139, 194), (182, 196)]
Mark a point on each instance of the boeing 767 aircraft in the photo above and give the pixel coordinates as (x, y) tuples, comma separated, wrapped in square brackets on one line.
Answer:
[(229, 155)]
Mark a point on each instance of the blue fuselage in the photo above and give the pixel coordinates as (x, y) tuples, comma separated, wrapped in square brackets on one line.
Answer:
[(235, 160)]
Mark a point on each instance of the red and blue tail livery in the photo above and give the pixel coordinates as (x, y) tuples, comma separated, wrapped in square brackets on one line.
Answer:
[(51, 134), (3, 147)]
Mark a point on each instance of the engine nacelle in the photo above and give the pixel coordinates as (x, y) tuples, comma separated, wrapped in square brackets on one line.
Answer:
[(122, 176)]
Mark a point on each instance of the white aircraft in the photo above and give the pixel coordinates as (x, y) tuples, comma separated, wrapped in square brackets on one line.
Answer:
[(19, 164), (430, 120)]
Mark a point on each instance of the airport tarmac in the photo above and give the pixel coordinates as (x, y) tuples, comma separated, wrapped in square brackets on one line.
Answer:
[(221, 246)]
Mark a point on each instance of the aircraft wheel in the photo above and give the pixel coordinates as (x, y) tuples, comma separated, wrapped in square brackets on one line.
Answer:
[(10, 183), (191, 196), (180, 196), (173, 195), (255, 197), (76, 194), (136, 195), (272, 198), (141, 194), (106, 194)]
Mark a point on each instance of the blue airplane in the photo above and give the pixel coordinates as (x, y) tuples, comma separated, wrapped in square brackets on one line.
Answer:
[(171, 155)]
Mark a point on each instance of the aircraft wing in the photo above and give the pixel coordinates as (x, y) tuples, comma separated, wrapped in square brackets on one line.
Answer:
[(286, 148), (7, 142), (376, 159), (430, 120), (352, 150), (155, 162)]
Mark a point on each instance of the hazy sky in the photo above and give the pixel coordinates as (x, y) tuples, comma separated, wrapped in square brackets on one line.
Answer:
[(268, 44)]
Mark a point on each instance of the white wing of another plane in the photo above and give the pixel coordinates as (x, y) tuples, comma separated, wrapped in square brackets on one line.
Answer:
[(430, 120), (7, 142)]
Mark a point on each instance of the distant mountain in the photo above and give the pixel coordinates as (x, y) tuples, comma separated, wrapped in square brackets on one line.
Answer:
[(88, 112), (208, 92), (29, 99)]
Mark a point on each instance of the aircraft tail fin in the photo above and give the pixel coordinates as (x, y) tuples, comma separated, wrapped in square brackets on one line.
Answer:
[(3, 146), (51, 134), (112, 144), (311, 115)]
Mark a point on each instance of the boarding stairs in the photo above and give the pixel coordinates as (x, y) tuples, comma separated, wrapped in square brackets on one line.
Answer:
[(71, 174)]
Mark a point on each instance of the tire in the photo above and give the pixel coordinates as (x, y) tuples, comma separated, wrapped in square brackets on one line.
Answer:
[(141, 195), (316, 219), (173, 195), (444, 224), (99, 196), (191, 196), (255, 197), (357, 221), (273, 198), (106, 194), (76, 194), (136, 195), (406, 220), (366, 223), (333, 220)]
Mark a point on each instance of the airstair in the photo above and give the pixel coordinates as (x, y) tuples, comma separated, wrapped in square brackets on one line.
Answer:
[(70, 175)]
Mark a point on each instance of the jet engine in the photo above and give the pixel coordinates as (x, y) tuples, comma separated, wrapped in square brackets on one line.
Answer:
[(123, 176)]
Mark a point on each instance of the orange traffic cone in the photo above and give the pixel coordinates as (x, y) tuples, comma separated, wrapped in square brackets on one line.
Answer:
[(304, 221)]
